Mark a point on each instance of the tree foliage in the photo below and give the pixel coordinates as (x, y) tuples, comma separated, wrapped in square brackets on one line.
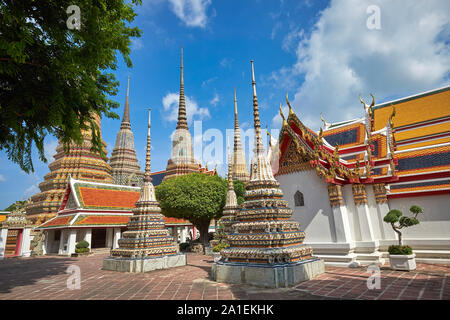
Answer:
[(398, 221), (196, 197), (53, 80), (239, 189)]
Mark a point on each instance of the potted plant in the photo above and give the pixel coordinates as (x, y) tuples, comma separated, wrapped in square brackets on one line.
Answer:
[(402, 257), (81, 248), (216, 250)]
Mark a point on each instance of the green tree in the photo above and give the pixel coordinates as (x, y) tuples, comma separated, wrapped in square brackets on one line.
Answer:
[(54, 79), (398, 221), (239, 189), (196, 197), (16, 205)]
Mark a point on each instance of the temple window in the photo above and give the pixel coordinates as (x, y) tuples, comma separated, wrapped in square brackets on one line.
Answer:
[(298, 199)]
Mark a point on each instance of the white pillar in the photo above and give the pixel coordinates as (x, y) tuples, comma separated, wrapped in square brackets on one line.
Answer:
[(342, 225), (62, 241), (88, 236), (183, 234), (109, 237), (26, 241), (44, 246), (3, 236), (116, 238), (71, 241)]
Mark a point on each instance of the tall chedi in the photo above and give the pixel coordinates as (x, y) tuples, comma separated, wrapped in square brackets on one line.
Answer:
[(147, 244), (231, 204), (266, 248), (123, 162), (182, 158), (80, 163), (240, 170)]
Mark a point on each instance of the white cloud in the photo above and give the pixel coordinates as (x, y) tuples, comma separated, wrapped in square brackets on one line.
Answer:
[(208, 81), (215, 100), (137, 44), (50, 149), (342, 58), (191, 12), (2, 178), (226, 62), (170, 103), (31, 190)]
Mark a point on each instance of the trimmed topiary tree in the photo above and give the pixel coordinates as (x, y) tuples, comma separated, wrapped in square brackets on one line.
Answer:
[(398, 221), (82, 247)]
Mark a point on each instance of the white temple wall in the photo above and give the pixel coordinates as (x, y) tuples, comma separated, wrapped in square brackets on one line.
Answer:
[(352, 213), (434, 222), (375, 214), (315, 217)]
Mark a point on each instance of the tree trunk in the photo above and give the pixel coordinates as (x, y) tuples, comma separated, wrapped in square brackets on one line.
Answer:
[(203, 226), (398, 233)]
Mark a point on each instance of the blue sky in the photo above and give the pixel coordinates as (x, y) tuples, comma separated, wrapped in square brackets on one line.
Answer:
[(324, 53)]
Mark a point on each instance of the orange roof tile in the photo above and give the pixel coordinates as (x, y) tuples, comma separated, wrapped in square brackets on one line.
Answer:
[(108, 198)]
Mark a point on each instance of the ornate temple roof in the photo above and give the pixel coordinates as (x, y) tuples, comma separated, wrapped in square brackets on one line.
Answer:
[(404, 143), (123, 162), (88, 204)]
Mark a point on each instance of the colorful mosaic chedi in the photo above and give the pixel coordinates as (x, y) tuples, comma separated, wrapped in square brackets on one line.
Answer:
[(79, 163), (146, 234), (263, 233)]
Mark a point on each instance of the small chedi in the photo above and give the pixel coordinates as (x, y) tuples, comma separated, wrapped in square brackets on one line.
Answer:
[(266, 248), (147, 244)]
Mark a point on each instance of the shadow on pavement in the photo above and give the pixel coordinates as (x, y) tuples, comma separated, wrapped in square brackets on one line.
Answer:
[(15, 272)]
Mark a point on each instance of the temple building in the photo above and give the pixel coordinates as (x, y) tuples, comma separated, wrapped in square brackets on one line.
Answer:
[(266, 248), (80, 163), (15, 234), (147, 244), (98, 213), (239, 169), (182, 158), (342, 180), (124, 164)]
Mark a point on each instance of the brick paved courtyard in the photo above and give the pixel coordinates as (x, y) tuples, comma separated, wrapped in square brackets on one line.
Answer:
[(46, 278)]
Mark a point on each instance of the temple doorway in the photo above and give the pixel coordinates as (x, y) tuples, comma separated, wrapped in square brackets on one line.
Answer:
[(98, 238), (12, 247)]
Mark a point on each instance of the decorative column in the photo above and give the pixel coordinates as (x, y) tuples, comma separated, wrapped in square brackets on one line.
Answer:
[(109, 238), (340, 214), (71, 241), (26, 240), (379, 190), (3, 236), (116, 238), (362, 209), (88, 237), (61, 242)]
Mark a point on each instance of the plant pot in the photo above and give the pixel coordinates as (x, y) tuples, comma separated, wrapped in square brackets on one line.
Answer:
[(402, 262), (216, 256)]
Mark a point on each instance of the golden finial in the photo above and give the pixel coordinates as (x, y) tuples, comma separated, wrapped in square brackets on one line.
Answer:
[(289, 105), (323, 120), (282, 116), (320, 134)]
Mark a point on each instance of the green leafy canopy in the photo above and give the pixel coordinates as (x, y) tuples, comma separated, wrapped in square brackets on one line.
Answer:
[(54, 80), (194, 196)]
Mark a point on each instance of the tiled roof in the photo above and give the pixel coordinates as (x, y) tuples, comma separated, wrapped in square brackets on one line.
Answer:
[(57, 222), (107, 198), (84, 220)]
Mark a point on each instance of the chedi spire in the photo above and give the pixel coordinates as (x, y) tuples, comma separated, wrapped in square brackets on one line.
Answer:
[(239, 169), (124, 163)]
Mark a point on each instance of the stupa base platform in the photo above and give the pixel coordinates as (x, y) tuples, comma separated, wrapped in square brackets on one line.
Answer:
[(267, 276), (143, 265)]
